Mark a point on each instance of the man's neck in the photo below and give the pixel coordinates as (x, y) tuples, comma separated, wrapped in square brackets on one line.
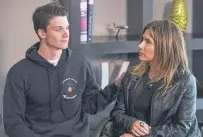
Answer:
[(49, 53)]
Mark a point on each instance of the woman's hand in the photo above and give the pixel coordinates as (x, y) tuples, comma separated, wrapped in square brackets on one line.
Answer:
[(127, 135), (140, 128)]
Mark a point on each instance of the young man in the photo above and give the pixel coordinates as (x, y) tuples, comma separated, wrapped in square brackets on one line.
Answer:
[(50, 92)]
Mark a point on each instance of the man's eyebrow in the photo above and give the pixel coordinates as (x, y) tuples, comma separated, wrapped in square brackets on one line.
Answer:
[(60, 26)]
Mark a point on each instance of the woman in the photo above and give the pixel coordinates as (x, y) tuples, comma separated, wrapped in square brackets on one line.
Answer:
[(158, 97)]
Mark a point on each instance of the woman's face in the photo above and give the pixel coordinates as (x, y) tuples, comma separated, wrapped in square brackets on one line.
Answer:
[(146, 47)]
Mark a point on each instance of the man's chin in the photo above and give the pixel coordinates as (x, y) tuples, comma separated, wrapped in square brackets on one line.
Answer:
[(65, 46)]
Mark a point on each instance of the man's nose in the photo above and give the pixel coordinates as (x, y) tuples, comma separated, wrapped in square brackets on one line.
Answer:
[(66, 33)]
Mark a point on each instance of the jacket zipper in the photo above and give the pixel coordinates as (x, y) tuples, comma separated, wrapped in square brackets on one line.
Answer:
[(137, 82), (151, 118)]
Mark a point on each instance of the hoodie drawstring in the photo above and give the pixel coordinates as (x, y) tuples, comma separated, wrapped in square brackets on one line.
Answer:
[(59, 94), (60, 83), (49, 84)]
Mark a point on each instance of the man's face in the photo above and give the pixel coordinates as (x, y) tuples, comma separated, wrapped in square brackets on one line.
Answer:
[(57, 34)]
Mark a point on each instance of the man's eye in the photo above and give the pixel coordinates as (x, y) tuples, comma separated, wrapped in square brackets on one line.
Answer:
[(57, 29), (67, 27)]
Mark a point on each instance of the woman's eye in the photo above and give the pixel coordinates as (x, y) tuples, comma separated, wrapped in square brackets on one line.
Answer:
[(148, 41)]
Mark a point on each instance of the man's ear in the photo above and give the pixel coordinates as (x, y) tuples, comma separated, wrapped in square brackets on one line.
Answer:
[(41, 33)]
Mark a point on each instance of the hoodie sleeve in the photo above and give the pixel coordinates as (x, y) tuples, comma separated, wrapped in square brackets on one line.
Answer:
[(94, 98), (14, 104)]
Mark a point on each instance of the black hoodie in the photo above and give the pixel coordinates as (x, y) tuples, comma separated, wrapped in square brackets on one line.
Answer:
[(43, 100)]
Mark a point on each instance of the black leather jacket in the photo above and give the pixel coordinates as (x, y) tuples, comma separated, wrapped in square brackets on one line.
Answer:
[(172, 115)]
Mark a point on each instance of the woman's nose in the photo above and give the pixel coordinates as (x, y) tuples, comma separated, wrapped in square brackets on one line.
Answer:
[(141, 46)]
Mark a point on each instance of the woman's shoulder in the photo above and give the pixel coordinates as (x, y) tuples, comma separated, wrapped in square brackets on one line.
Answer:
[(130, 73), (128, 77), (187, 78)]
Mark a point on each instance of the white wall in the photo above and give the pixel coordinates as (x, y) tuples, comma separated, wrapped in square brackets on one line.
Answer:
[(105, 13), (16, 35), (108, 11)]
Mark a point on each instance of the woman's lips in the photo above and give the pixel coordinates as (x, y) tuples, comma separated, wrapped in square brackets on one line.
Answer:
[(141, 53)]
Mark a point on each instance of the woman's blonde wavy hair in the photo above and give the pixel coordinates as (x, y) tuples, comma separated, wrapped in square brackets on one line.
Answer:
[(170, 53)]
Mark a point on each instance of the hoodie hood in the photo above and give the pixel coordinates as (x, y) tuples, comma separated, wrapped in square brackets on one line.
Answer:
[(33, 55)]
